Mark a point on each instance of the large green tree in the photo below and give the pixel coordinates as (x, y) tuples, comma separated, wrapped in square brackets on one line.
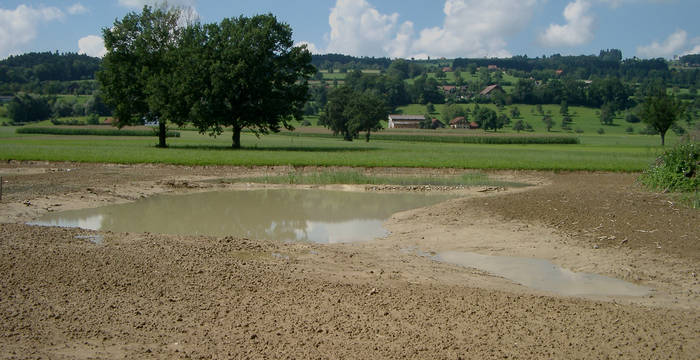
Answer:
[(661, 111), (348, 112), (365, 113), (334, 115), (137, 71), (244, 73)]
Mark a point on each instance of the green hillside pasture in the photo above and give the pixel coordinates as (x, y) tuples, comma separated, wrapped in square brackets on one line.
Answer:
[(194, 149), (585, 120)]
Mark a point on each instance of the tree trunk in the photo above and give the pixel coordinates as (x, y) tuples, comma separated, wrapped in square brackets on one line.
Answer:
[(347, 136), (663, 136), (367, 136), (161, 134), (236, 137)]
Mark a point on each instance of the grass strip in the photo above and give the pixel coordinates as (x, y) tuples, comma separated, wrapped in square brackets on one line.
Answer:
[(472, 139), (98, 132), (358, 178)]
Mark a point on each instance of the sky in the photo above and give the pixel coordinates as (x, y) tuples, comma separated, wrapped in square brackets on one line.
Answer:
[(392, 28)]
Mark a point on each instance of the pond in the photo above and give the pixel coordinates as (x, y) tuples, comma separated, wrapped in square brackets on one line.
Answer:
[(544, 275), (319, 216)]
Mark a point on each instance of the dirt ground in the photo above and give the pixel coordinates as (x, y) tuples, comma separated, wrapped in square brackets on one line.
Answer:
[(196, 297)]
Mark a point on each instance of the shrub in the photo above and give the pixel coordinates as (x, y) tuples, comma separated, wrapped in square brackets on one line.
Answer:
[(579, 131), (675, 170), (629, 130), (600, 131), (93, 119), (632, 118)]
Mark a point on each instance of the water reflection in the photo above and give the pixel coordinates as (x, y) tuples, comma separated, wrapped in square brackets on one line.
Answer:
[(280, 214)]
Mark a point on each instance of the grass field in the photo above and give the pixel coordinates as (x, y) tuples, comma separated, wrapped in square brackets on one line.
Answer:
[(611, 153)]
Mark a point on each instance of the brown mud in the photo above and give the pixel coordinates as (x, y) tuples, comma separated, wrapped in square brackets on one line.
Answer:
[(156, 296)]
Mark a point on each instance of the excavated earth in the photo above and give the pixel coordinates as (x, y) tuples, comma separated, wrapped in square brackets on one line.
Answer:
[(136, 295)]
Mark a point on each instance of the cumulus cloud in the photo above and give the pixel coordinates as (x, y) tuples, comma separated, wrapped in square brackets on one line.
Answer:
[(358, 28), (92, 45), (578, 29), (77, 9), (673, 45), (475, 28), (20, 26), (471, 28)]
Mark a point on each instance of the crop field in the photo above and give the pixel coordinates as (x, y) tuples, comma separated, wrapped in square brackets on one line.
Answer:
[(609, 153)]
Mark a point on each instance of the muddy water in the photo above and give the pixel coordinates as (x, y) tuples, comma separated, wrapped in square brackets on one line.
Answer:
[(280, 214), (544, 275)]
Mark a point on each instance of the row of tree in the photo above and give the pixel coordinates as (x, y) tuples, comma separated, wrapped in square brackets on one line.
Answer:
[(24, 108), (242, 73)]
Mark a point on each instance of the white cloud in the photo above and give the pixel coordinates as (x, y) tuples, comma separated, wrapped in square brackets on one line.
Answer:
[(357, 28), (473, 28), (19, 26), (673, 45), (694, 50), (578, 29), (92, 45), (77, 9), (309, 46)]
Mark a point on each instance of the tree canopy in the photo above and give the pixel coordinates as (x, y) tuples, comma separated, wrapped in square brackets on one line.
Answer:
[(137, 69), (243, 73)]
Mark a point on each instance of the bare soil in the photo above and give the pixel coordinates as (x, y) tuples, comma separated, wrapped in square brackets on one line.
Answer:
[(159, 296)]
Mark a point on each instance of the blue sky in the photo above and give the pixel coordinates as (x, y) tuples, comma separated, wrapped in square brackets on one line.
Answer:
[(393, 28)]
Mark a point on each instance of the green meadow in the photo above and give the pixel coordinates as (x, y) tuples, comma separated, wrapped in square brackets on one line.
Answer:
[(595, 152)]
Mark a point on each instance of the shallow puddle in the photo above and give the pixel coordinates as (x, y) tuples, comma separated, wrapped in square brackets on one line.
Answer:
[(281, 214), (544, 275)]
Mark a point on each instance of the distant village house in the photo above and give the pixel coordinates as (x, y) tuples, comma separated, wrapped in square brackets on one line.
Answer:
[(491, 90), (397, 121)]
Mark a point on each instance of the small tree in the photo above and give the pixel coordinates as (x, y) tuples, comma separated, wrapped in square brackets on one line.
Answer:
[(430, 108), (607, 114), (519, 126), (548, 122), (515, 112), (660, 111), (564, 108)]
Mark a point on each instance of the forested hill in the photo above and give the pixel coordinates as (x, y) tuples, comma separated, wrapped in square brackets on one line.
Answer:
[(48, 66)]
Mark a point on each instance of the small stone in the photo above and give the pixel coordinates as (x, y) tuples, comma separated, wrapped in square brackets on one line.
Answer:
[(595, 246)]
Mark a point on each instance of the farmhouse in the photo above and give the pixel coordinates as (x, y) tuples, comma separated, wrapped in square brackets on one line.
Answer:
[(448, 88), (459, 123), (436, 124), (491, 90), (405, 121)]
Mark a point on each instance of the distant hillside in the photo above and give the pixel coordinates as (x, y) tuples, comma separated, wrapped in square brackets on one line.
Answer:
[(48, 66), (46, 72)]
